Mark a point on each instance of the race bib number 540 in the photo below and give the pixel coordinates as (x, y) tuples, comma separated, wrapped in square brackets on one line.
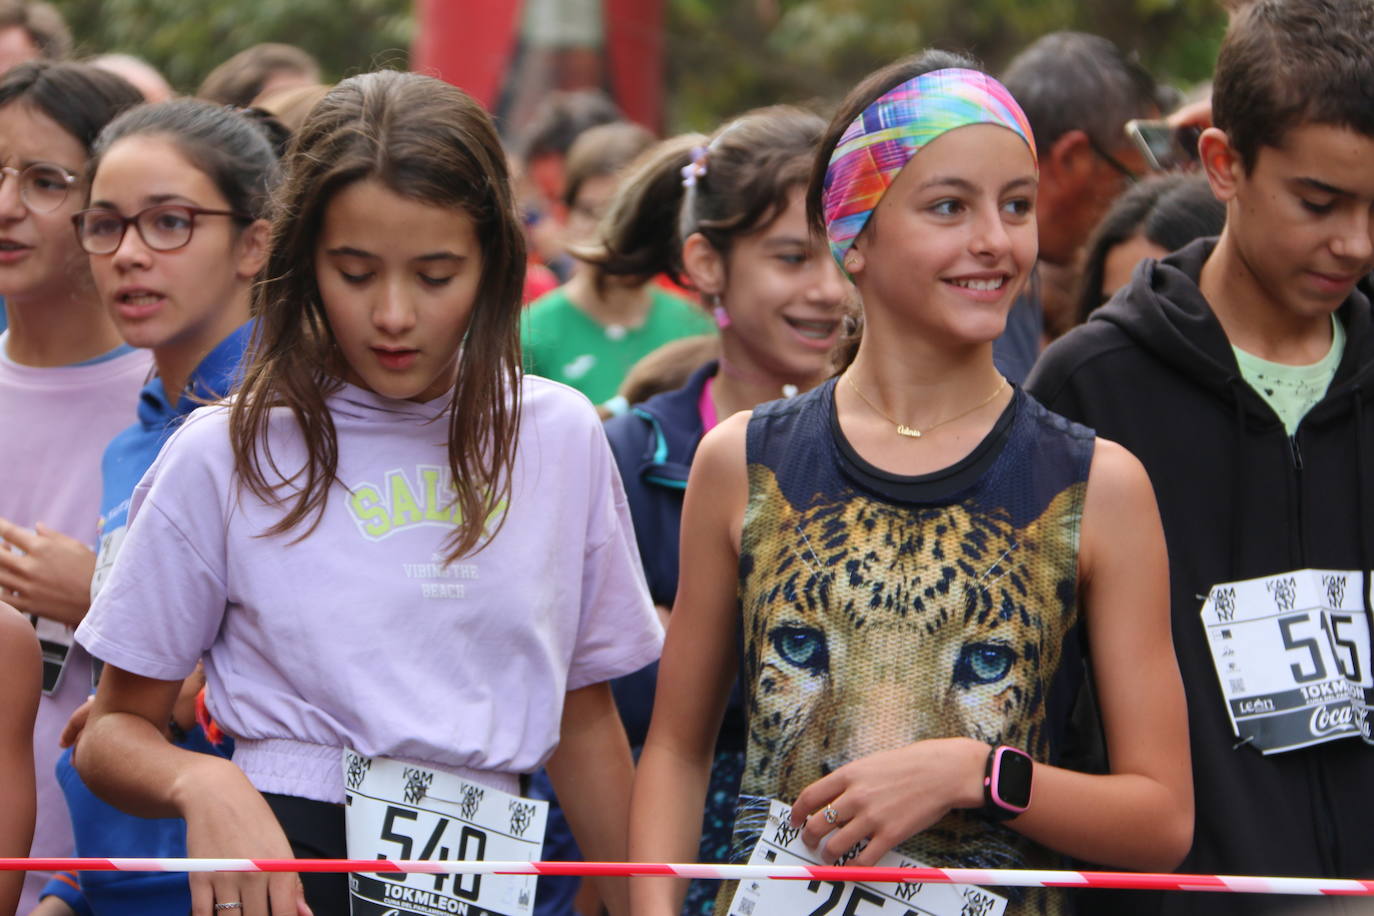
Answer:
[(1292, 655), (398, 811), (781, 844)]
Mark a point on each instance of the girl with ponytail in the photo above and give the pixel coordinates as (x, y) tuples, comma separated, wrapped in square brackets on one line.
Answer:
[(727, 216)]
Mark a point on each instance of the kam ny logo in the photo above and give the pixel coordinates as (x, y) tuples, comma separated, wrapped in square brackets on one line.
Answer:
[(1224, 601), (1335, 589), (1284, 590), (404, 502)]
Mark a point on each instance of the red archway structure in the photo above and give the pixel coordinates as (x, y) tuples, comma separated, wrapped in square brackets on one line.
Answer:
[(472, 43)]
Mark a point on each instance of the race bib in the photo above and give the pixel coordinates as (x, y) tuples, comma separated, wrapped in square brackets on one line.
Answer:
[(781, 844), (55, 641), (107, 549), (1292, 655), (395, 810)]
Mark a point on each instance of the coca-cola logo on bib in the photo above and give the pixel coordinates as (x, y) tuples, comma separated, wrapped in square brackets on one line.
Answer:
[(1327, 720)]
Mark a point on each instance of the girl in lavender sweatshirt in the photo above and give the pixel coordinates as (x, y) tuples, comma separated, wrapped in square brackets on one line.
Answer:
[(390, 545)]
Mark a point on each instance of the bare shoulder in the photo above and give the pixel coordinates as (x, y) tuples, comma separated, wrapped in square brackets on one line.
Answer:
[(722, 450), (1116, 477), (718, 486), (17, 639), (1120, 515), (21, 663)]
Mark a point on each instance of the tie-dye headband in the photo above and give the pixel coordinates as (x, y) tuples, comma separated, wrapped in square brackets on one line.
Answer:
[(889, 132)]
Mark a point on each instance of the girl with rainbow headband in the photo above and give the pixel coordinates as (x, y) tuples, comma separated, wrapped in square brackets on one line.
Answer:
[(926, 560)]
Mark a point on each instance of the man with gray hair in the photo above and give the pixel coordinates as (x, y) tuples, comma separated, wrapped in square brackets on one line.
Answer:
[(29, 31), (1078, 91)]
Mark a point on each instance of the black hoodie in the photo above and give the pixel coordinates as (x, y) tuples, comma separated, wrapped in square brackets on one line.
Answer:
[(1240, 499)]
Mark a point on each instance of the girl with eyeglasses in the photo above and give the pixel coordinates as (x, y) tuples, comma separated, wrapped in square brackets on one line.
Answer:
[(389, 542), (67, 385), (177, 232), (176, 235)]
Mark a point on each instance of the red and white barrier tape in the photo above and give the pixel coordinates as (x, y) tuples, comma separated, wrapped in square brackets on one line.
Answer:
[(875, 875)]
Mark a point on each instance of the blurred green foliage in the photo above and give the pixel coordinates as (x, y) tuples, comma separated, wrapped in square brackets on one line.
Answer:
[(723, 55), (186, 39), (729, 55)]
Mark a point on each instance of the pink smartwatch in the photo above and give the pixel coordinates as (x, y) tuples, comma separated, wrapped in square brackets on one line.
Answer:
[(1007, 783)]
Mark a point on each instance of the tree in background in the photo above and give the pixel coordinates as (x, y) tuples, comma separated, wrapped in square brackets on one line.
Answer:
[(186, 39), (726, 56)]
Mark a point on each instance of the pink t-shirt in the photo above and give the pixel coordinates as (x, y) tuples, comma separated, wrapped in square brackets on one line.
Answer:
[(54, 426), (706, 407), (360, 634)]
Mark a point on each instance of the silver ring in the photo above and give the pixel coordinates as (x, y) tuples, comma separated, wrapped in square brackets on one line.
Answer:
[(228, 906), (830, 815)]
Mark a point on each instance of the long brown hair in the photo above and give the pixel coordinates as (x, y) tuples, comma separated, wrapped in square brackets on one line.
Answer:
[(428, 141)]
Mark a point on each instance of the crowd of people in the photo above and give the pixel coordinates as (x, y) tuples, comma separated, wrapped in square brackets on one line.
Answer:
[(929, 483)]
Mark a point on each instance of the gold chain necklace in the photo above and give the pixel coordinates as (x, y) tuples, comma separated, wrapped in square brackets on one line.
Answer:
[(911, 431)]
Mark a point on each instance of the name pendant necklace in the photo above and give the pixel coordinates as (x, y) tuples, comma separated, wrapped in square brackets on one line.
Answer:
[(912, 432)]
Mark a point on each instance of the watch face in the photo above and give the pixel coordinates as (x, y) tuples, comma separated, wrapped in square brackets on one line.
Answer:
[(1012, 778)]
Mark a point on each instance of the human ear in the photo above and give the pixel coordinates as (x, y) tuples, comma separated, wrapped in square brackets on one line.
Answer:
[(1221, 163), (705, 265), (254, 244), (1069, 157), (854, 259)]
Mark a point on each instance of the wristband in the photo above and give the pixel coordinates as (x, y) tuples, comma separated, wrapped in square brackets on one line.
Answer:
[(1007, 783)]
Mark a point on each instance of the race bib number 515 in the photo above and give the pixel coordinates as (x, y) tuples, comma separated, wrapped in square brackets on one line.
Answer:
[(781, 844), (398, 811), (1292, 655)]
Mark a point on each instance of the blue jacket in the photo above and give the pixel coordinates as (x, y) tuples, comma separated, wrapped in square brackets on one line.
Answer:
[(654, 444), (99, 829), (131, 452), (103, 830)]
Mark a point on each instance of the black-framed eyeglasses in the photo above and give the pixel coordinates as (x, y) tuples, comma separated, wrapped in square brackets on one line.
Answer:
[(165, 227), (42, 185), (1131, 175)]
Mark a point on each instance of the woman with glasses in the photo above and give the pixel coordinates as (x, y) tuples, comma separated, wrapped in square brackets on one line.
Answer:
[(67, 384), (176, 235)]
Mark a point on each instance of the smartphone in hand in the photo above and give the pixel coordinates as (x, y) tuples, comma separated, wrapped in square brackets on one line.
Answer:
[(1166, 148)]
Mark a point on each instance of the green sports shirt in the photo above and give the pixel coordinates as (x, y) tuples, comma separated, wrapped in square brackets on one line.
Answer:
[(564, 343)]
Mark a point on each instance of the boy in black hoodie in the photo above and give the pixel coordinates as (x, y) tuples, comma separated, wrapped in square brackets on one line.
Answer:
[(1240, 370)]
